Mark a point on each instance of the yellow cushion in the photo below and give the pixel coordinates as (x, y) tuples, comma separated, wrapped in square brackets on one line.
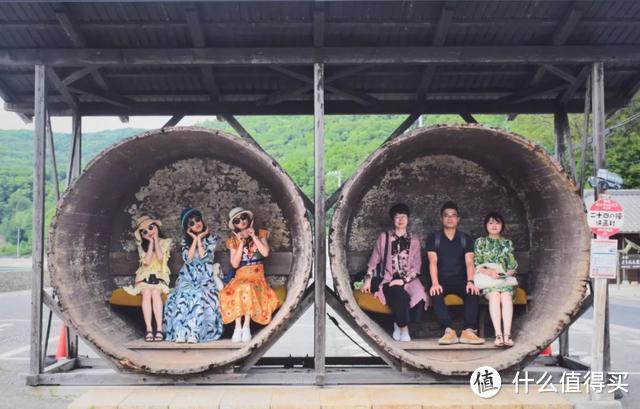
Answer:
[(281, 293), (370, 303), (122, 298), (452, 299), (521, 297)]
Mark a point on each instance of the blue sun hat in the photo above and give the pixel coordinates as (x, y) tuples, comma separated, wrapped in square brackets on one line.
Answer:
[(186, 214)]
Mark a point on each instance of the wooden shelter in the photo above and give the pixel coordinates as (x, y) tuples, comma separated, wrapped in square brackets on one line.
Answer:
[(277, 58)]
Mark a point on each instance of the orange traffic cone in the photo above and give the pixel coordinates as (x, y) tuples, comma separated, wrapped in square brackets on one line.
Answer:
[(61, 352), (548, 351)]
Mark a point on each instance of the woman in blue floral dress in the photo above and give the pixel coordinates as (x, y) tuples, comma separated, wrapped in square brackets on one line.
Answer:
[(192, 311), (497, 251)]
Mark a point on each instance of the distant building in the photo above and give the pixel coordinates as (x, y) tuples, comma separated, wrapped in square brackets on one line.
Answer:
[(629, 199)]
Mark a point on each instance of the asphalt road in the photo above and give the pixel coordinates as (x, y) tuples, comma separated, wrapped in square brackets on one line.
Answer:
[(15, 327)]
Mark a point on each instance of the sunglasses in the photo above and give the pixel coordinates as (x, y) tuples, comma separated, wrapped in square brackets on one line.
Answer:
[(243, 216), (193, 221), (150, 228)]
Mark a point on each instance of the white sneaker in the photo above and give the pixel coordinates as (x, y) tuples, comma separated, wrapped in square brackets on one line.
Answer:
[(237, 335), (404, 335), (396, 332), (246, 334), (192, 340)]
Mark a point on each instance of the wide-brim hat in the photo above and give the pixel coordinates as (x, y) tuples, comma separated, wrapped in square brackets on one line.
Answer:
[(143, 222), (237, 211)]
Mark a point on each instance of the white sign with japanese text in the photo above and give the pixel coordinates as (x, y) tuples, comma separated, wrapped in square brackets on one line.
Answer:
[(604, 258)]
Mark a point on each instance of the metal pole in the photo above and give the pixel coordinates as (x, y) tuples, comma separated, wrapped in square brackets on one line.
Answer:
[(37, 255), (599, 342), (18, 243), (320, 233)]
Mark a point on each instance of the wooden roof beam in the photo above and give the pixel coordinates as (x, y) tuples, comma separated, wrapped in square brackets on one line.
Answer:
[(296, 108), (359, 97), (562, 33), (7, 97), (71, 100), (318, 25), (575, 85), (105, 57), (77, 75), (173, 121), (468, 118), (78, 40), (109, 98), (633, 87), (199, 40), (560, 73), (439, 38), (283, 95)]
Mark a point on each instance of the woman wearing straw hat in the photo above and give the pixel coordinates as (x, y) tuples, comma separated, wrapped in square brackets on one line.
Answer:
[(152, 277), (248, 296), (192, 313)]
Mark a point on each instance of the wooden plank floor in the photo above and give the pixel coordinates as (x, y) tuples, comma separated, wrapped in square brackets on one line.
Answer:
[(220, 344), (432, 344)]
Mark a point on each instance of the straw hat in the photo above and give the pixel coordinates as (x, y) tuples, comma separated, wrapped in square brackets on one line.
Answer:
[(142, 223), (237, 211)]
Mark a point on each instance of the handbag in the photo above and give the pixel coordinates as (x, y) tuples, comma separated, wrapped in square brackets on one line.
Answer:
[(483, 281), (378, 276)]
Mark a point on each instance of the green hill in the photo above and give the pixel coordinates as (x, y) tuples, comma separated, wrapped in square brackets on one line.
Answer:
[(289, 139)]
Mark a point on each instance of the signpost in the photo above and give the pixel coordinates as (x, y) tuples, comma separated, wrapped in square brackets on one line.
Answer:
[(605, 219)]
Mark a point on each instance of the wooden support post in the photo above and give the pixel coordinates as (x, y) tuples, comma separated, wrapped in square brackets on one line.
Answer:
[(54, 164), (37, 255), (75, 163), (173, 121), (319, 224), (599, 343), (561, 129), (584, 142)]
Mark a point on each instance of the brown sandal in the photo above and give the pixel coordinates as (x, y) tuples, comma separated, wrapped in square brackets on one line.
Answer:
[(159, 336), (508, 342), (148, 337), (499, 342)]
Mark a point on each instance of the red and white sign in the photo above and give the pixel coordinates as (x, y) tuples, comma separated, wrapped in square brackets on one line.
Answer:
[(605, 217)]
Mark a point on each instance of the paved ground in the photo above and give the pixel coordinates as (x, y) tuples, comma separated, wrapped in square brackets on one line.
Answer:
[(15, 326)]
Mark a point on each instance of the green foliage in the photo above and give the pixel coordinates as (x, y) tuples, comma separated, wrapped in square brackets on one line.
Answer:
[(349, 140)]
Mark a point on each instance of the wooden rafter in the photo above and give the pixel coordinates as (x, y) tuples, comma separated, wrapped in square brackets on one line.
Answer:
[(199, 40), (71, 100), (296, 108), (575, 85), (357, 96), (286, 94), (105, 57), (78, 40), (563, 31), (173, 121), (439, 38)]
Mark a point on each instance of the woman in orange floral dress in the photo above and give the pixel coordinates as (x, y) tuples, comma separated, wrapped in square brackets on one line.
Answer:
[(248, 296)]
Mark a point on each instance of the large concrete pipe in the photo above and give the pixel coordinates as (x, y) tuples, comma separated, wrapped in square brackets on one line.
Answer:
[(482, 170), (92, 251)]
